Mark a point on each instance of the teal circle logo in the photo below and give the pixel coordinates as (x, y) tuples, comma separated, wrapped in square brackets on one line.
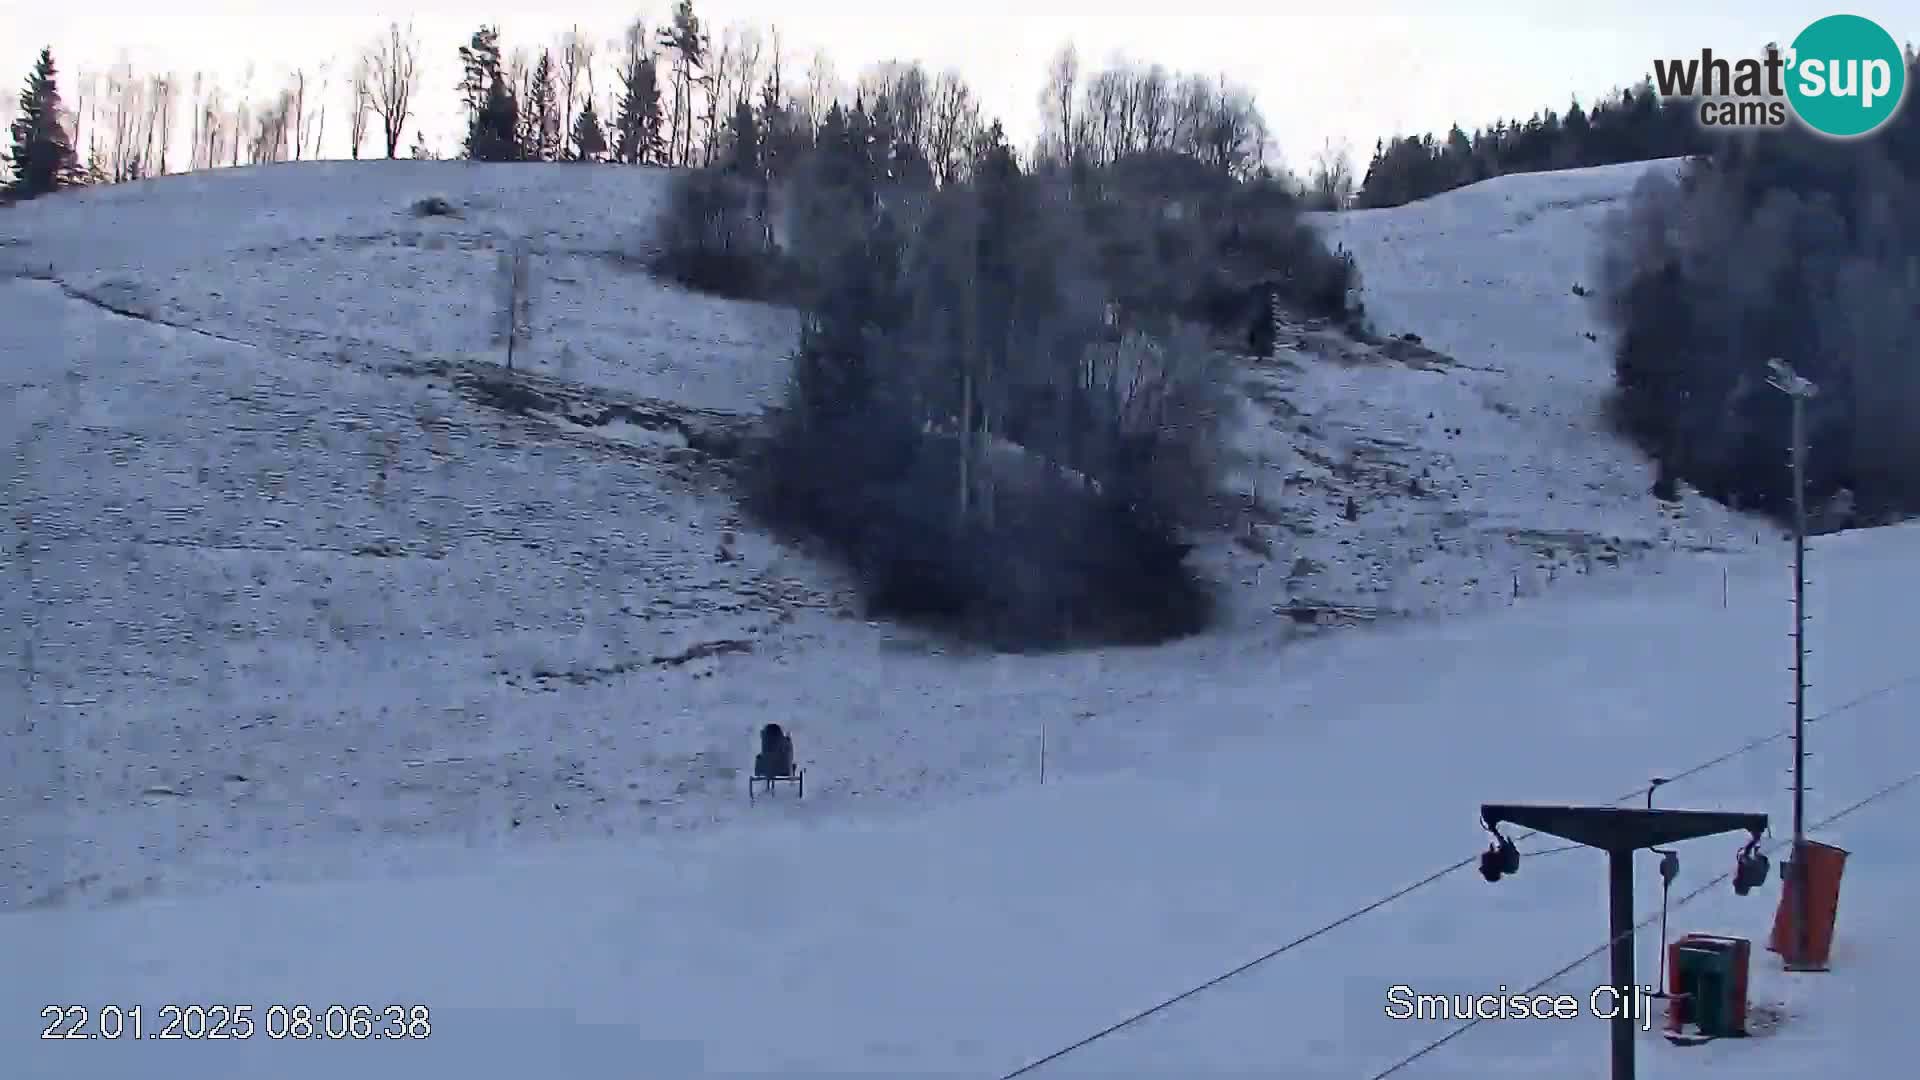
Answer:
[(1845, 76)]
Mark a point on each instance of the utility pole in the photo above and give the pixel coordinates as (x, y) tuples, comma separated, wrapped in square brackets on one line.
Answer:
[(1798, 390)]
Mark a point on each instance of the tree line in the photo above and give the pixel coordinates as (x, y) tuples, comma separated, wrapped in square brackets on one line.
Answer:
[(123, 126), (1635, 124), (674, 95)]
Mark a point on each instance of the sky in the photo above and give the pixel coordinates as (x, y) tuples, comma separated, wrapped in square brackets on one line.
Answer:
[(1367, 72)]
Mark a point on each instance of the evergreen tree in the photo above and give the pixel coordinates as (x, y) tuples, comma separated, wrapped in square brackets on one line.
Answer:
[(494, 134), (526, 122), (480, 61), (686, 40), (743, 142), (636, 126), (492, 111), (589, 139), (859, 142), (543, 110), (1458, 156), (784, 136), (1579, 133), (43, 159)]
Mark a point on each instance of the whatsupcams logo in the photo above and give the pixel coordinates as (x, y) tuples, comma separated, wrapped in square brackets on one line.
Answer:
[(1844, 77)]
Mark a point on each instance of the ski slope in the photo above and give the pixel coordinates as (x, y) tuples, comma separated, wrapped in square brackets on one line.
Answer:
[(329, 679), (978, 935), (302, 596)]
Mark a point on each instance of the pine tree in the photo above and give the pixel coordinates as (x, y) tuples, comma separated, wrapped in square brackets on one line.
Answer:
[(589, 140), (494, 135), (743, 144), (637, 135), (785, 140), (480, 62), (543, 110), (1579, 130), (43, 159), (493, 114), (686, 39)]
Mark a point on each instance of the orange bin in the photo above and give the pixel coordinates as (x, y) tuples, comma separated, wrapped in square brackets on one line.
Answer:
[(1824, 865)]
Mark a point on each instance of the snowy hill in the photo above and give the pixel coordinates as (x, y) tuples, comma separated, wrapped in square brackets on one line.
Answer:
[(305, 585), (300, 586), (1478, 459)]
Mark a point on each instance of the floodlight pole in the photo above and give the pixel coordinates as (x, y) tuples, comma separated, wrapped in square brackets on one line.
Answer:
[(1798, 390)]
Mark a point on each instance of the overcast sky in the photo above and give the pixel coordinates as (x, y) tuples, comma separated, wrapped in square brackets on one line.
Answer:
[(1369, 71)]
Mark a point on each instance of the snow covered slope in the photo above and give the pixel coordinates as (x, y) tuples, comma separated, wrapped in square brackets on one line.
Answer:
[(1476, 462), (983, 934), (299, 586)]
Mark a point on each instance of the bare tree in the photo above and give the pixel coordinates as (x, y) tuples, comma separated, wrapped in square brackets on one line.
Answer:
[(129, 124), (823, 88), (320, 110), (715, 83), (237, 127), (576, 68), (241, 122), (772, 88), (1156, 105), (297, 111), (160, 98), (1332, 181), (1057, 100), (908, 92), (197, 135), (748, 51), (361, 94), (213, 129), (393, 68), (206, 123), (273, 129), (513, 324), (1103, 116), (953, 120), (85, 109)]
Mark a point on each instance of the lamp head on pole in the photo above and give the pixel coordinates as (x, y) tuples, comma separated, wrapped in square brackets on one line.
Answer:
[(1785, 381)]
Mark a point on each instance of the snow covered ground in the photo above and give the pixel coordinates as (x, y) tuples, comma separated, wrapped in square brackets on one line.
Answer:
[(329, 679), (1478, 462), (982, 934), (302, 595)]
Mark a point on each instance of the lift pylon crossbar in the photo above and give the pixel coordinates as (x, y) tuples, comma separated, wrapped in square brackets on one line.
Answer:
[(1612, 828)]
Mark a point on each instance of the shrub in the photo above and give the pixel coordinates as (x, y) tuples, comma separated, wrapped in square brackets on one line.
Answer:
[(715, 236), (434, 206)]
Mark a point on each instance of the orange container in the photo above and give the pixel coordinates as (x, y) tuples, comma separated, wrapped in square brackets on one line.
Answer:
[(1824, 865)]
